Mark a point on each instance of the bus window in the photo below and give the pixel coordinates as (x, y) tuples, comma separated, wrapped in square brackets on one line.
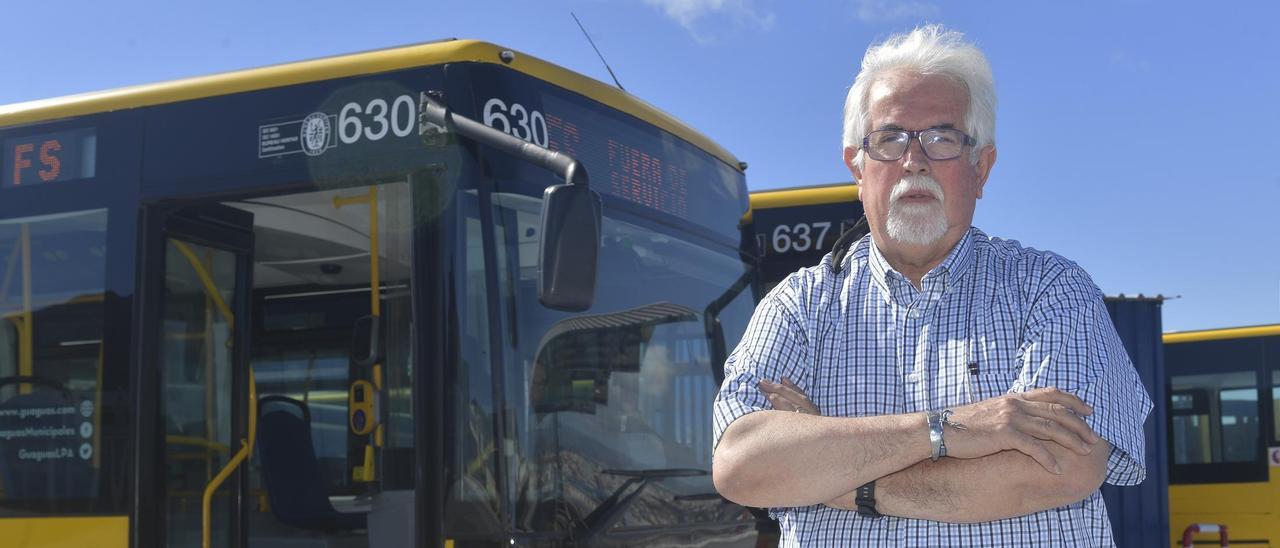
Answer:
[(1215, 418), (1275, 405), (52, 280)]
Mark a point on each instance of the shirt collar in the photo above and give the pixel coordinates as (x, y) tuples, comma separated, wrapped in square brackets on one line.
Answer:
[(948, 273)]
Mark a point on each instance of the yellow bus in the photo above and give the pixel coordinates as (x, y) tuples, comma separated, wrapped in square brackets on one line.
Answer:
[(794, 227), (367, 300), (1224, 432)]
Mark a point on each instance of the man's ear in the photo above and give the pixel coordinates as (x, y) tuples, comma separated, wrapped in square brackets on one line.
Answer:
[(986, 160), (849, 154)]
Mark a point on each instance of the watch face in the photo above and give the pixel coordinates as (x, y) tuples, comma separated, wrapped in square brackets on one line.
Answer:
[(315, 134)]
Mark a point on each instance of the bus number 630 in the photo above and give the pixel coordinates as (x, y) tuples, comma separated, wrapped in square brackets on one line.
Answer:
[(516, 121)]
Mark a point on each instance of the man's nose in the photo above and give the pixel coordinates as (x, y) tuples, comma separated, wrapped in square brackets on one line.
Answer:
[(914, 160)]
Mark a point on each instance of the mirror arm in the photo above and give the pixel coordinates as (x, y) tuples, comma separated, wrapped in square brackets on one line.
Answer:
[(435, 113)]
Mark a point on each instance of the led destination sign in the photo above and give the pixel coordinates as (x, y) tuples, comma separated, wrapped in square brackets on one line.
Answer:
[(626, 157), (50, 157)]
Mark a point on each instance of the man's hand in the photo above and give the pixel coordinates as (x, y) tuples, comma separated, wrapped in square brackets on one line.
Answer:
[(1023, 422), (788, 397)]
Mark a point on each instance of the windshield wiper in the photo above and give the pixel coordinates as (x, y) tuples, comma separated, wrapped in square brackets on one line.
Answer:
[(611, 509)]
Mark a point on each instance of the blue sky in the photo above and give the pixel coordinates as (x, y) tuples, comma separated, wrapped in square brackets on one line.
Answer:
[(1139, 138)]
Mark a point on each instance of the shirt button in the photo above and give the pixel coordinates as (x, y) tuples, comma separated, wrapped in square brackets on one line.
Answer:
[(915, 313)]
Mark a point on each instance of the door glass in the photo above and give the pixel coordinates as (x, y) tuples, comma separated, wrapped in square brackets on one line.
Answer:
[(472, 509), (196, 368)]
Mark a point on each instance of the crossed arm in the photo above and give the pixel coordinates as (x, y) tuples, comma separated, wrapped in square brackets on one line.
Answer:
[(997, 486), (1020, 454)]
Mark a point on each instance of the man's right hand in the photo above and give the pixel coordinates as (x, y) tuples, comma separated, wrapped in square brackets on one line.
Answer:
[(1024, 422)]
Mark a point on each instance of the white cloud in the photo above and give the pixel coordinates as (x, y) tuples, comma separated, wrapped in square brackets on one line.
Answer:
[(689, 12), (873, 11)]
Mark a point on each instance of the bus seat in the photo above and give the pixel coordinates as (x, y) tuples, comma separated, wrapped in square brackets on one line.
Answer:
[(292, 473), (62, 471)]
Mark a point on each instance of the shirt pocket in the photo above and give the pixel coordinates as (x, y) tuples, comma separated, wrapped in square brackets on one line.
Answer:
[(991, 384), (993, 375)]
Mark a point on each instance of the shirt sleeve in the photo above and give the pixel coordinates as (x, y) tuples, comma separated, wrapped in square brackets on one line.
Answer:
[(775, 345), (1071, 344)]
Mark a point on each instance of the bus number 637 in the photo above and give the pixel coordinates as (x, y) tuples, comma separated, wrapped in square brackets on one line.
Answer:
[(798, 237)]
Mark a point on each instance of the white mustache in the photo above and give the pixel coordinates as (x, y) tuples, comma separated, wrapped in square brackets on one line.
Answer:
[(916, 184)]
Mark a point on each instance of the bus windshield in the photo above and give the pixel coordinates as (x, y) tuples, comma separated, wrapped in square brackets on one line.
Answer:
[(622, 391)]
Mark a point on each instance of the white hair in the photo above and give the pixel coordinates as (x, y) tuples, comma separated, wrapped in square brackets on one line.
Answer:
[(930, 49)]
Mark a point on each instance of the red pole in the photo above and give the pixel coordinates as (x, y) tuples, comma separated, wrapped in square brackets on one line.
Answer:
[(1194, 528)]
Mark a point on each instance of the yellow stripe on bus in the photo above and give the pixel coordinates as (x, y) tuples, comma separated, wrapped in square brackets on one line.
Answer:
[(99, 532), (1222, 334), (342, 66), (791, 197)]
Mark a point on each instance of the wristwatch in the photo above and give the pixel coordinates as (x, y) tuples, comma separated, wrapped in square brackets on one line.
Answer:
[(865, 499)]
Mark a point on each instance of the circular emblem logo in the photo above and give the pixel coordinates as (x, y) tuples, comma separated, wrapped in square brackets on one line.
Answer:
[(315, 133)]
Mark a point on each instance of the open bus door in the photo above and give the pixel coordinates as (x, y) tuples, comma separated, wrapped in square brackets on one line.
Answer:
[(195, 393), (272, 426)]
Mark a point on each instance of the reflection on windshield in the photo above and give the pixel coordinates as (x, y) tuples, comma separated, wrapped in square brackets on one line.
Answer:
[(623, 390)]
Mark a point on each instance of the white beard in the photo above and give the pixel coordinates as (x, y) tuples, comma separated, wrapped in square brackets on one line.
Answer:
[(917, 224)]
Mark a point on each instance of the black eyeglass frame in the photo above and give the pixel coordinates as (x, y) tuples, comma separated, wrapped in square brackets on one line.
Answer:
[(866, 142)]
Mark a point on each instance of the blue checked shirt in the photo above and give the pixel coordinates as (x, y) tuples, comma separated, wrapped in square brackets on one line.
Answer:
[(865, 342)]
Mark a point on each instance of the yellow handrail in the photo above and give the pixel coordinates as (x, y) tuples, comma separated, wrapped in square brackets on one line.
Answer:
[(210, 288), (364, 472), (246, 449), (208, 445), (375, 282), (206, 505)]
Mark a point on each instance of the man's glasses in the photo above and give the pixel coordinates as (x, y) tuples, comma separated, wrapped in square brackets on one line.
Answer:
[(938, 143)]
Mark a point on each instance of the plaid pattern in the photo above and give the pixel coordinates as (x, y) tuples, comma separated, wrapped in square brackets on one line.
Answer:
[(865, 342)]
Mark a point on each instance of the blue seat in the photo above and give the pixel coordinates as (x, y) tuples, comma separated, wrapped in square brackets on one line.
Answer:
[(291, 472)]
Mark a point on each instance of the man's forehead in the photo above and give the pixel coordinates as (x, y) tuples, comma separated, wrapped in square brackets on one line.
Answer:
[(903, 97)]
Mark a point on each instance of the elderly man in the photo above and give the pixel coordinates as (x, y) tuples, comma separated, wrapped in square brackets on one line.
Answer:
[(972, 391)]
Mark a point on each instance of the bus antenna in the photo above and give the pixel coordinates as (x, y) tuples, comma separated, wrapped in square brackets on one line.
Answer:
[(593, 46)]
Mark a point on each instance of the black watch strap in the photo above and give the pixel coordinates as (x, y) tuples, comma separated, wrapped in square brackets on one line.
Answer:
[(866, 500)]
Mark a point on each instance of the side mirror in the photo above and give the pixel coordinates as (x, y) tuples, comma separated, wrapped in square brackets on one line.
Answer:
[(366, 341), (568, 246)]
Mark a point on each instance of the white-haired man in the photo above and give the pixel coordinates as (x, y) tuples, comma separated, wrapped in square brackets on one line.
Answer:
[(972, 391)]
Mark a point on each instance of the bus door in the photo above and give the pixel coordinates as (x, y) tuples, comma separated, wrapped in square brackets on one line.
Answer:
[(282, 322), (197, 273)]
